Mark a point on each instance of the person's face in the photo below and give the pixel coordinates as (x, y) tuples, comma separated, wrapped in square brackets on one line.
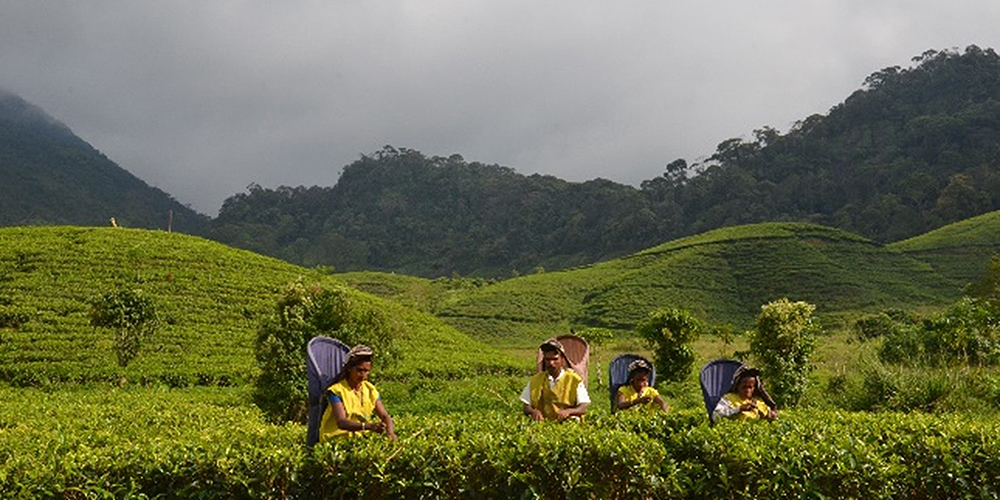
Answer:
[(746, 387), (553, 362), (359, 372), (640, 381)]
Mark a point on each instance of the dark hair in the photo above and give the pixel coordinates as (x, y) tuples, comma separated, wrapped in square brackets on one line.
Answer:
[(550, 348), (351, 363), (637, 371)]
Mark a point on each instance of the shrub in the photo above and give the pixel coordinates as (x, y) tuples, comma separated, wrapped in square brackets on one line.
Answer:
[(968, 332), (882, 324), (782, 341), (669, 333), (131, 315), (303, 312), (596, 336)]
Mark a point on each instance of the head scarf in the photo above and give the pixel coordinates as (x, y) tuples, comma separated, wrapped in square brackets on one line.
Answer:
[(552, 343), (745, 371), (637, 365), (358, 354)]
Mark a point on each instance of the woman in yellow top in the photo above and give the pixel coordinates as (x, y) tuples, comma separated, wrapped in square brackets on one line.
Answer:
[(352, 399), (638, 393), (745, 399)]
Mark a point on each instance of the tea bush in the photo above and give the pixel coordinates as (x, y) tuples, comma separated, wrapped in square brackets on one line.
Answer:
[(131, 315), (181, 444), (301, 313), (782, 341), (670, 332)]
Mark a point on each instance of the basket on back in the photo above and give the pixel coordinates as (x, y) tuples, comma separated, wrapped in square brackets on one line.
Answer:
[(716, 380), (578, 352), (325, 358), (618, 375)]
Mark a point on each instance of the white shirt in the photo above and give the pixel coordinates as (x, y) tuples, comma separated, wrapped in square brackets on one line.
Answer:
[(581, 390)]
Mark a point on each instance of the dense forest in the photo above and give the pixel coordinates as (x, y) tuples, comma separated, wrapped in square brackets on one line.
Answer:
[(915, 148), (400, 210), (51, 176)]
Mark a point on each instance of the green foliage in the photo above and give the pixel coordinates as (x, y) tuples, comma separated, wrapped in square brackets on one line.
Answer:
[(987, 287), (131, 315), (782, 342), (669, 333), (596, 337), (178, 445), (301, 313), (883, 324), (967, 333)]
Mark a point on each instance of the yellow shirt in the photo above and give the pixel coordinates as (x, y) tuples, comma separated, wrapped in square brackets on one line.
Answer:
[(760, 409), (629, 394), (550, 401), (358, 406)]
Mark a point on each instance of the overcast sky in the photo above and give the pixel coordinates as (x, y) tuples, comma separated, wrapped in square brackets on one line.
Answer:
[(201, 98)]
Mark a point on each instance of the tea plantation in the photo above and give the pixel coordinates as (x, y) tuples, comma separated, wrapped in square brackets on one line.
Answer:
[(178, 422)]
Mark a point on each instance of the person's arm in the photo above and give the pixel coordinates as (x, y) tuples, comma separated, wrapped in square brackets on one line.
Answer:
[(582, 401), (576, 411), (724, 409), (766, 412), (533, 413), (530, 411), (663, 404), (624, 405), (386, 424), (343, 422)]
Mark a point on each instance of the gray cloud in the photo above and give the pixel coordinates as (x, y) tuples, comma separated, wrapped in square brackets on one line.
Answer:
[(203, 98)]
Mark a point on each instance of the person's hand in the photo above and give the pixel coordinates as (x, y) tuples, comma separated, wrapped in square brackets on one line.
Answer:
[(376, 427), (747, 406), (643, 400), (392, 436), (772, 415), (563, 415), (536, 415)]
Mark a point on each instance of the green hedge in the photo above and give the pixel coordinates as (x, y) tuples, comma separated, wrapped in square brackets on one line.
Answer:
[(129, 444)]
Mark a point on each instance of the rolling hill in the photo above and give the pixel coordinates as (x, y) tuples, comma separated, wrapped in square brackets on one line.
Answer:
[(959, 251), (723, 276), (209, 298)]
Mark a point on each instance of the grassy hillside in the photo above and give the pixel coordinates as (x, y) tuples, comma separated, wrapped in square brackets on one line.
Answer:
[(958, 252), (723, 275), (209, 296)]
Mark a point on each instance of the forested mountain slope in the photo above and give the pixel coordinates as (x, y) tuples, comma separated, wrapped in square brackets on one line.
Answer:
[(51, 176), (914, 149), (402, 211)]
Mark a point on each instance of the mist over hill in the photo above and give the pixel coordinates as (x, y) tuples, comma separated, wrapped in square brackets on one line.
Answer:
[(914, 149), (51, 176)]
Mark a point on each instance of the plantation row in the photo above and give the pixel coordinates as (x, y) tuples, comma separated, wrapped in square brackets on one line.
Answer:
[(180, 445)]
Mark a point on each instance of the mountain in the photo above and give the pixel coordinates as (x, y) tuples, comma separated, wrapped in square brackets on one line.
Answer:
[(914, 149), (398, 210), (51, 176)]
